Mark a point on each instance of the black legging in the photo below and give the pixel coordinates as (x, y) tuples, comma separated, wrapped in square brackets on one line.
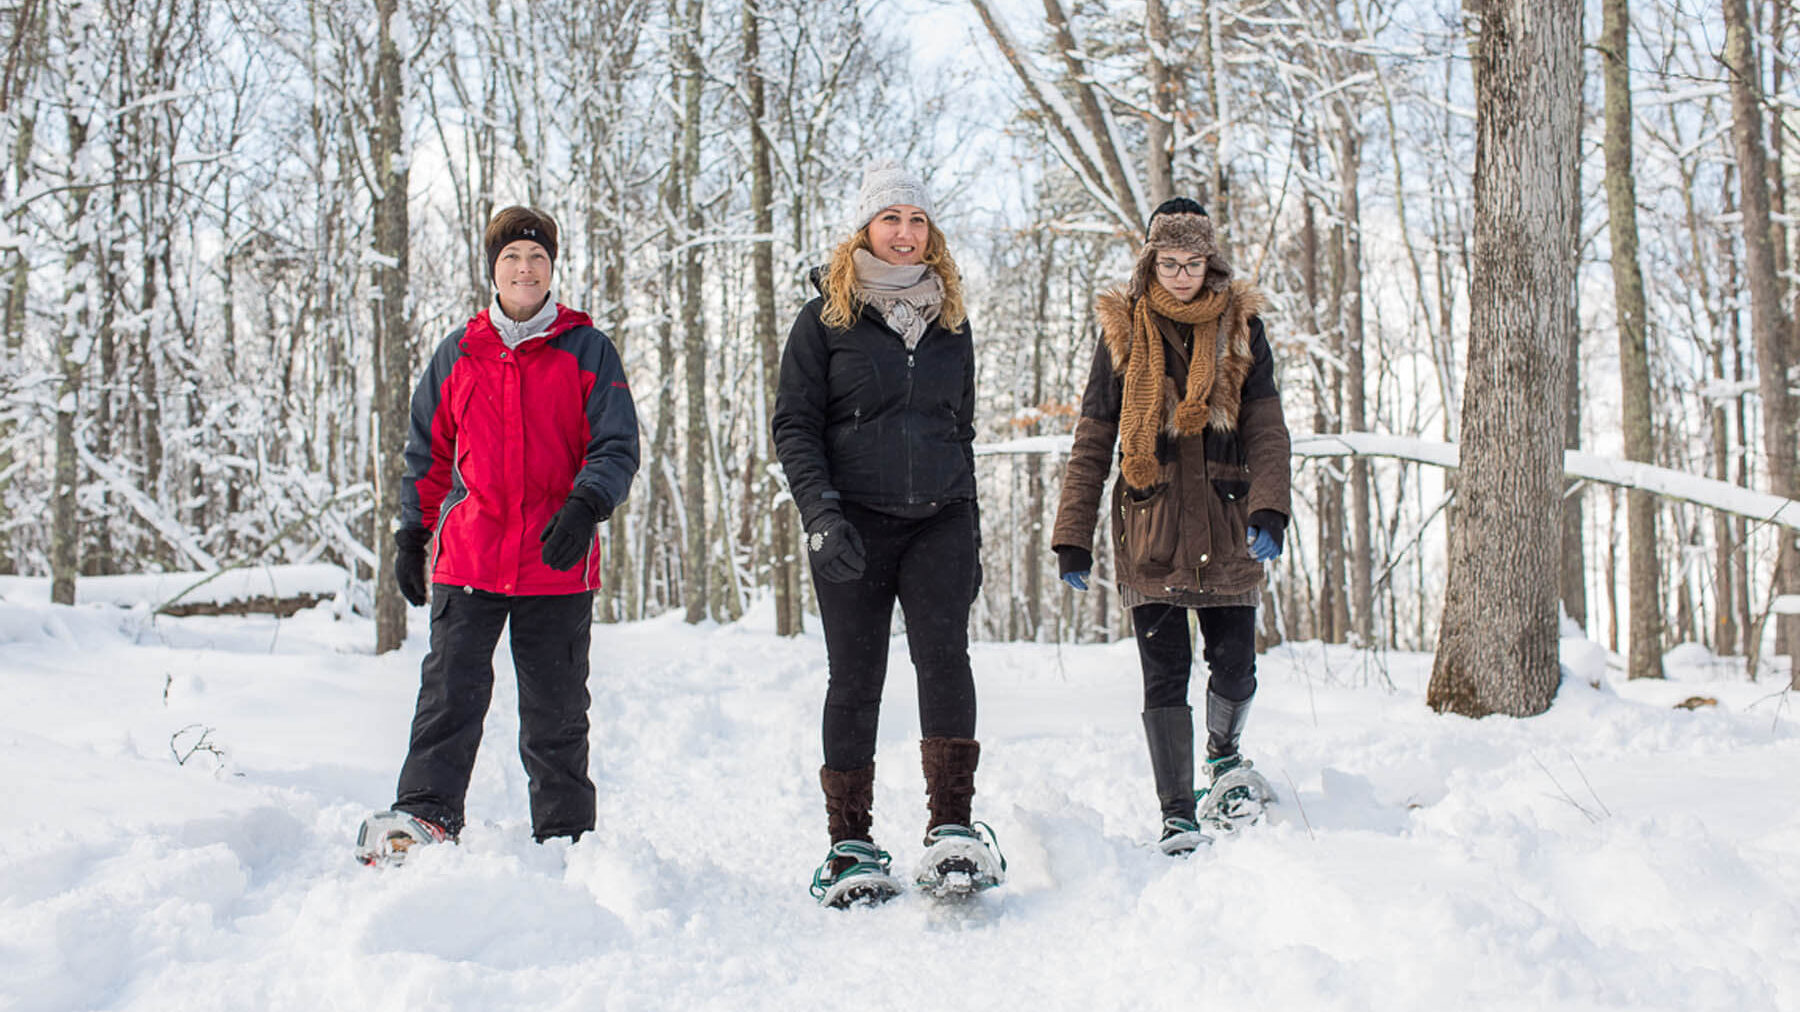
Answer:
[(1167, 652), (929, 566)]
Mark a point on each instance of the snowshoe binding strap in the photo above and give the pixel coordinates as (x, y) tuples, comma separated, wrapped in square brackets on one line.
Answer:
[(863, 879), (1181, 837), (960, 860), (1238, 797)]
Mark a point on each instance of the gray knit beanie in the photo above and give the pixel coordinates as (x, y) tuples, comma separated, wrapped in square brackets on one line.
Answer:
[(886, 184)]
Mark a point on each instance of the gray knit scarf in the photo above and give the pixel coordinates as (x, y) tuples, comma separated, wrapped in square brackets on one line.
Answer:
[(516, 332), (908, 296)]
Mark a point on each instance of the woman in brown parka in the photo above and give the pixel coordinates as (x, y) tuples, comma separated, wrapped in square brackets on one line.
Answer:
[(1183, 382)]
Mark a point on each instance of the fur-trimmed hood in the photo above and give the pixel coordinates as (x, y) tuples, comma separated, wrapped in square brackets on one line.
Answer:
[(1233, 359)]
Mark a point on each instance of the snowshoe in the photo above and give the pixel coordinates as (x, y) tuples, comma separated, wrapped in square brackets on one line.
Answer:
[(1239, 796), (386, 837), (854, 873), (960, 861), (1181, 837)]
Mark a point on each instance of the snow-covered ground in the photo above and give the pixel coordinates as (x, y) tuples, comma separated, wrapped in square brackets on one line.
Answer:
[(1615, 853)]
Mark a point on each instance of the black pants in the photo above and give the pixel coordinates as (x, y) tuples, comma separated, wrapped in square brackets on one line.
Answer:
[(929, 566), (550, 636), (1167, 652)]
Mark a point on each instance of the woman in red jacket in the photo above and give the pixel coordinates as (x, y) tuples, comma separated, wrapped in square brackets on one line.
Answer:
[(523, 440)]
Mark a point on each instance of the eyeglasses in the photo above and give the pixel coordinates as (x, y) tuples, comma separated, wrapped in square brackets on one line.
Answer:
[(1170, 268)]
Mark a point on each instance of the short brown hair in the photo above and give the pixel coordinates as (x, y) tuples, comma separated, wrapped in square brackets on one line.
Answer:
[(512, 224)]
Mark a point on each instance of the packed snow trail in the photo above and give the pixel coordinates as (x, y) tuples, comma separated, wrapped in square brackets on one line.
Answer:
[(1614, 853)]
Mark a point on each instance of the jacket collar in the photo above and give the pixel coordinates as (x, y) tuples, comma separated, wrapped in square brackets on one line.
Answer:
[(482, 340)]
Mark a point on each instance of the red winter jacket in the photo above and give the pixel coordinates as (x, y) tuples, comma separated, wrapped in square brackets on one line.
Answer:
[(498, 439)]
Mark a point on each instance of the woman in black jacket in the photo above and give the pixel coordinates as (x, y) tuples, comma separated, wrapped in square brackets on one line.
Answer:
[(874, 425)]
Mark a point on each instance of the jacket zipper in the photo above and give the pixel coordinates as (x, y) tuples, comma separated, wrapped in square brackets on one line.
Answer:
[(906, 428), (437, 534)]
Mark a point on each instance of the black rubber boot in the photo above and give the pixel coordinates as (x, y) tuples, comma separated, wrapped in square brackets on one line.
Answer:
[(1224, 724), (1170, 733)]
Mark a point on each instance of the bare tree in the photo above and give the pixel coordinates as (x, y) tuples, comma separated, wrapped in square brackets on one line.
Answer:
[(783, 540), (690, 72), (79, 29), (393, 327), (1645, 578), (1768, 323), (1498, 638)]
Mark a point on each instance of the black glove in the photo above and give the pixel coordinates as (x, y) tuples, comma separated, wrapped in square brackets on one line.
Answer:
[(835, 547), (409, 563), (570, 533)]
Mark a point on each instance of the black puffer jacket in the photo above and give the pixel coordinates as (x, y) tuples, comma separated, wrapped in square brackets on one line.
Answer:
[(861, 418)]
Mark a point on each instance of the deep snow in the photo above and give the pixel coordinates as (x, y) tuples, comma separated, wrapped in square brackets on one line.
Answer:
[(1615, 853)]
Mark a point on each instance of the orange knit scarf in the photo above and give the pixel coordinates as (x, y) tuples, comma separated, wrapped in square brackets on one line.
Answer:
[(1141, 409)]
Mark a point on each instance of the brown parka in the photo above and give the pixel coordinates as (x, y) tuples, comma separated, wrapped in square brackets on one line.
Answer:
[(1183, 538)]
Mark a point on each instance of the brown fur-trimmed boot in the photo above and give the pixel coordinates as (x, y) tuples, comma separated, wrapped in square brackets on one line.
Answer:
[(849, 794), (958, 861), (855, 871), (949, 779)]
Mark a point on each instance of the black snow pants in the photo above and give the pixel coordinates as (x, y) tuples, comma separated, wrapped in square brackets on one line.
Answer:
[(550, 637), (1167, 652), (928, 565)]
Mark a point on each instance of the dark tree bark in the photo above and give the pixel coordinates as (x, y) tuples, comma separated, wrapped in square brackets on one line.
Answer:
[(1498, 639), (393, 344), (695, 579), (1644, 579), (1165, 85), (1768, 323), (783, 542), (1362, 556)]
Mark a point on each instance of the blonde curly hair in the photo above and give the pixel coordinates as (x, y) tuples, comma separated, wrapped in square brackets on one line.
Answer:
[(841, 304)]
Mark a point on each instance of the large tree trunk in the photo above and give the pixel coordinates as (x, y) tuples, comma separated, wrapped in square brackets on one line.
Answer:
[(1165, 84), (1574, 533), (1643, 584), (783, 540), (1362, 556), (1329, 491), (12, 344), (1768, 327), (1219, 193), (1334, 596), (1498, 639), (693, 484), (1036, 552), (72, 339), (393, 347)]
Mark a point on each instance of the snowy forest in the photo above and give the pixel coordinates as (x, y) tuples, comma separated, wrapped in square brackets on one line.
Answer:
[(233, 231)]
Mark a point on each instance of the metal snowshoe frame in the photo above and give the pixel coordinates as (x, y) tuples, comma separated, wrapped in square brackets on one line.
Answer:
[(960, 861), (385, 838), (865, 882), (1239, 797)]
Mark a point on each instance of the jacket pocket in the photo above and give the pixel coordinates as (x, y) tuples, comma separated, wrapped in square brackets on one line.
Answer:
[(1226, 465), (1149, 527)]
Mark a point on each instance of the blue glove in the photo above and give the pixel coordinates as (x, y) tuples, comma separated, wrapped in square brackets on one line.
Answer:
[(1073, 565), (1263, 545)]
